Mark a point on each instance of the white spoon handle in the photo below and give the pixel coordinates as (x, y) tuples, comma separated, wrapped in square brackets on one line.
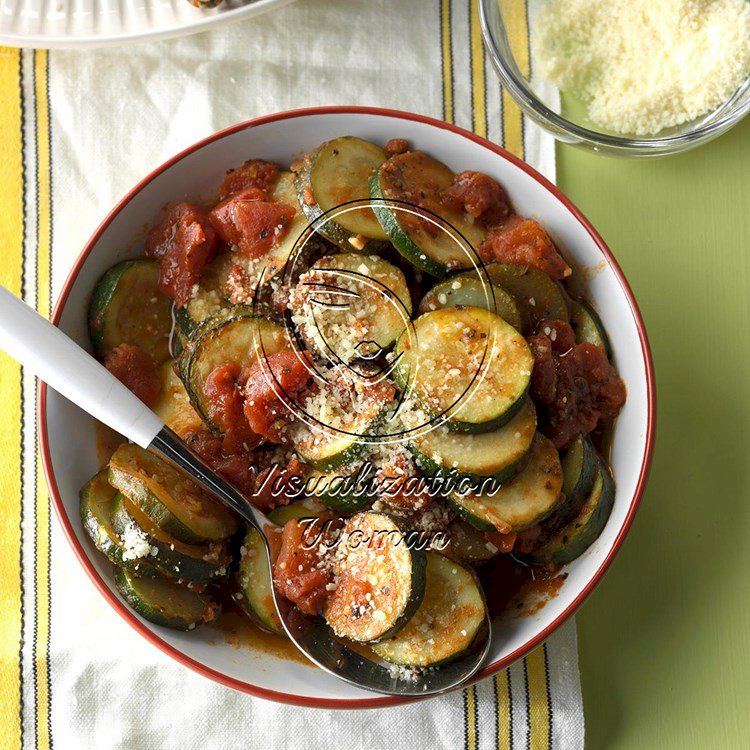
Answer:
[(57, 360)]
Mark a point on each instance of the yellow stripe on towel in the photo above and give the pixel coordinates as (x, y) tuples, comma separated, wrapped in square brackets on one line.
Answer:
[(446, 50), (478, 73), (538, 699), (11, 404), (44, 270), (515, 15)]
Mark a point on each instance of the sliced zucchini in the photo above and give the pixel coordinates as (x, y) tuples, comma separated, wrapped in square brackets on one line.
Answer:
[(254, 582), (351, 306), (209, 297), (579, 534), (165, 603), (488, 454), (468, 544), (379, 578), (306, 508), (173, 502), (128, 308), (345, 491), (338, 172), (451, 616), (97, 498), (538, 296), (467, 364), (588, 326), (173, 406), (522, 501), (470, 290), (580, 466), (191, 562), (344, 417), (239, 335), (435, 238)]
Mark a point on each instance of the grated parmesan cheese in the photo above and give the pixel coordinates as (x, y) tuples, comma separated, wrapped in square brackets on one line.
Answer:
[(643, 66)]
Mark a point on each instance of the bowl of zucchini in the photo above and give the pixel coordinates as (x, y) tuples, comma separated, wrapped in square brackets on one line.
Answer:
[(447, 242)]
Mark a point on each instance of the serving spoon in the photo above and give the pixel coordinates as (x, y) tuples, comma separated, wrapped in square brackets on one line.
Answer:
[(56, 359)]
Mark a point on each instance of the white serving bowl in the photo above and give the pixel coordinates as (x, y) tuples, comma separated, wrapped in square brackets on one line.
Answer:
[(195, 173)]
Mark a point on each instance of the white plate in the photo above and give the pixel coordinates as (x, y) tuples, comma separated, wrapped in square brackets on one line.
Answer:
[(96, 23), (196, 172)]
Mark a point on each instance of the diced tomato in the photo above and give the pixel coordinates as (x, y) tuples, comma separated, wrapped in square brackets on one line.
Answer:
[(184, 242), (251, 223), (503, 542), (480, 196), (237, 468), (575, 385), (265, 412), (254, 173), (137, 370), (223, 390), (525, 242), (397, 481), (265, 494), (301, 574), (396, 146)]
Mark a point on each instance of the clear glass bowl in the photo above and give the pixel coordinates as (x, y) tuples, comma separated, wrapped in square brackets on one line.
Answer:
[(500, 21)]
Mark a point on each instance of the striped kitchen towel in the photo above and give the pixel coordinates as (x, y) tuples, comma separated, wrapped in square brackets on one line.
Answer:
[(77, 129)]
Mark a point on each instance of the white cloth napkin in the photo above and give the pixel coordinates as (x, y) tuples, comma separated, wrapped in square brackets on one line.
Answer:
[(114, 115)]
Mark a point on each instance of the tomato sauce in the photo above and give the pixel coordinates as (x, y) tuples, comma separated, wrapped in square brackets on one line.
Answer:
[(184, 242), (137, 370), (574, 385)]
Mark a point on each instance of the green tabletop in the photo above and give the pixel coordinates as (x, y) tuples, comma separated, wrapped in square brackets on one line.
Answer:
[(665, 639)]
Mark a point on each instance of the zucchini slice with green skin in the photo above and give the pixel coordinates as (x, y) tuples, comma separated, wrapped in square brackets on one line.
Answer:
[(379, 579), (468, 544), (97, 498), (344, 414), (451, 616), (172, 501), (416, 181), (238, 335), (579, 534), (199, 563), (467, 364), (469, 290), (209, 297), (165, 603), (306, 508), (255, 590), (523, 501), (173, 406), (487, 454), (351, 306), (580, 466), (538, 296), (128, 308), (338, 172), (342, 491), (588, 326)]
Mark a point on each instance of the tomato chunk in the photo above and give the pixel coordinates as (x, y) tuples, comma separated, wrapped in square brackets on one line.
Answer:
[(300, 573), (254, 173), (137, 370), (251, 223), (575, 386), (184, 242), (480, 196), (396, 146), (236, 467), (265, 411), (525, 242), (223, 389)]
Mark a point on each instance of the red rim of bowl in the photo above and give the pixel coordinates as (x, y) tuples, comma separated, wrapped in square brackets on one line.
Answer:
[(300, 700)]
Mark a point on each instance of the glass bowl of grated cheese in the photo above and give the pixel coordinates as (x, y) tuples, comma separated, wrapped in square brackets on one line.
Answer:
[(627, 77)]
